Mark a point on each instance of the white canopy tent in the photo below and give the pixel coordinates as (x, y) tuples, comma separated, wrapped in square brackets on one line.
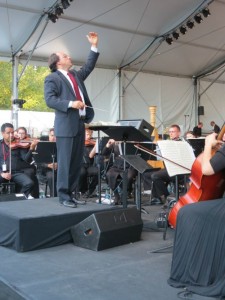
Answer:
[(137, 68)]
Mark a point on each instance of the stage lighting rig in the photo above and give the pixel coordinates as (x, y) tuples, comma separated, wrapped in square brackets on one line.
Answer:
[(190, 24), (169, 40), (198, 18), (52, 17), (58, 11), (183, 29), (65, 4), (19, 102), (206, 12), (175, 35)]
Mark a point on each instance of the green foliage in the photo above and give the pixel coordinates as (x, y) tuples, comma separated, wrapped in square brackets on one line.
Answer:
[(31, 87)]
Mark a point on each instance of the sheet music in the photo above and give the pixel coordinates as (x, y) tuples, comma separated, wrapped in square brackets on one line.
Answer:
[(180, 152)]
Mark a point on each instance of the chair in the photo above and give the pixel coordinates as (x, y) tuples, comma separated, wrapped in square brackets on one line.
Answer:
[(7, 188)]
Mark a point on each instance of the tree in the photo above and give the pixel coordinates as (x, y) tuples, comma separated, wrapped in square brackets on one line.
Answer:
[(30, 88)]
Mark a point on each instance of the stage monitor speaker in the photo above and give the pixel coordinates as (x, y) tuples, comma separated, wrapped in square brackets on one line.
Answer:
[(144, 127), (107, 229), (201, 110), (11, 197)]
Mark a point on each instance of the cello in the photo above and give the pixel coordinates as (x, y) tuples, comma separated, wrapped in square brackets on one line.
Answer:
[(202, 187)]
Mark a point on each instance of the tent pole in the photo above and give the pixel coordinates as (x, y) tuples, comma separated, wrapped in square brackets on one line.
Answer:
[(15, 107)]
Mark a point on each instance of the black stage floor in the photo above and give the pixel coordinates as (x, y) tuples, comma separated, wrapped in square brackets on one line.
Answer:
[(66, 272)]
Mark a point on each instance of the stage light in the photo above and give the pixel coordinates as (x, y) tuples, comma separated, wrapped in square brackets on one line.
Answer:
[(206, 12), (65, 4), (58, 11), (198, 18), (190, 24), (52, 17), (183, 29), (169, 40), (175, 35)]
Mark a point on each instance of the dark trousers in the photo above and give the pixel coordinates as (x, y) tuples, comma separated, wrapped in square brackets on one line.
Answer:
[(114, 173), (69, 158), (49, 176), (22, 181), (88, 179)]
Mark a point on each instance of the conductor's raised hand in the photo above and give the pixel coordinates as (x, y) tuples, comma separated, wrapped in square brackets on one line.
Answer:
[(92, 38)]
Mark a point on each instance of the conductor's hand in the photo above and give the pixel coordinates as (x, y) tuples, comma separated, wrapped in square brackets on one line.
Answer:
[(92, 38), (110, 142), (78, 104)]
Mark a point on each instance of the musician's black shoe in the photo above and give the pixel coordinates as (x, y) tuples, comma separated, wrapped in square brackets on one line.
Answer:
[(69, 203), (156, 201)]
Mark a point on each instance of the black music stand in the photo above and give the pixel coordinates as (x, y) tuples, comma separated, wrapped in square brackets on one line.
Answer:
[(46, 152), (126, 134), (141, 166)]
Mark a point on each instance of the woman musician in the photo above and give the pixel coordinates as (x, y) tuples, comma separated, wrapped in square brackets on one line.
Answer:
[(199, 247)]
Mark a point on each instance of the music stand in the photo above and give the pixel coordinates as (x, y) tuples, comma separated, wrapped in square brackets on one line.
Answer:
[(46, 152), (126, 134), (141, 166)]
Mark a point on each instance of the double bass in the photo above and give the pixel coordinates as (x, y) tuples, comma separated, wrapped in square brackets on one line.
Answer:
[(202, 187)]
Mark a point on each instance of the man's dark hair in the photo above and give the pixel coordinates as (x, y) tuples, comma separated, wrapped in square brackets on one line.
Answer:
[(52, 62), (5, 125)]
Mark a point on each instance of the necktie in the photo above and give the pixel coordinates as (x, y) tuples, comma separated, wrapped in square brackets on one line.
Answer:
[(75, 85)]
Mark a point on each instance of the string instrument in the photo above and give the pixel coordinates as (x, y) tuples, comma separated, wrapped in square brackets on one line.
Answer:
[(202, 187), (18, 143), (90, 142), (155, 135)]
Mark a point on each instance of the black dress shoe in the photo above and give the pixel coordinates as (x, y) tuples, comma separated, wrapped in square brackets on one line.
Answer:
[(76, 201), (69, 203), (156, 201)]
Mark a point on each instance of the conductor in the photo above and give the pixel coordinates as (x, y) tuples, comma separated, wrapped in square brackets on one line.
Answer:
[(66, 93)]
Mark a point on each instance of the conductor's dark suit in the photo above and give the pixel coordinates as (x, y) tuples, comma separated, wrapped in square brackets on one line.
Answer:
[(69, 126)]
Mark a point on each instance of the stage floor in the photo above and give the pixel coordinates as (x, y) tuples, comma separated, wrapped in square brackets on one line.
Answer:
[(68, 272)]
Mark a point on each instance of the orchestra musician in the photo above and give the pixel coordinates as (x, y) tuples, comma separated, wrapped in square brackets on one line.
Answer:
[(31, 171), (160, 179), (199, 248), (15, 160), (46, 169), (115, 172), (89, 172)]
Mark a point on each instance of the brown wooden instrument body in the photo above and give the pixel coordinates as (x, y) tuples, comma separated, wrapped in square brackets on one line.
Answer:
[(202, 188)]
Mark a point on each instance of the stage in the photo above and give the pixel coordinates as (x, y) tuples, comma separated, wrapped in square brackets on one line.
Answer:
[(131, 271)]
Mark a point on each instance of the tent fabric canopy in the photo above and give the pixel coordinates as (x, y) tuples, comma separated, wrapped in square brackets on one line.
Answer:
[(132, 40)]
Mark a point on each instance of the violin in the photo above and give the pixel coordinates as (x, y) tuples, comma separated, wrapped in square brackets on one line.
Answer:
[(18, 143), (90, 142), (202, 187)]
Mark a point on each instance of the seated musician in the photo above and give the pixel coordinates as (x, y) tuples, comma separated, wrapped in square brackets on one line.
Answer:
[(15, 160), (46, 169), (89, 172), (116, 170), (199, 248), (160, 179), (31, 171)]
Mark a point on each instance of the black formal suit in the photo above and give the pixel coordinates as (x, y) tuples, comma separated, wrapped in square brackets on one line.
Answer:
[(68, 125)]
